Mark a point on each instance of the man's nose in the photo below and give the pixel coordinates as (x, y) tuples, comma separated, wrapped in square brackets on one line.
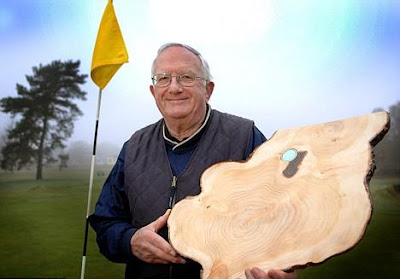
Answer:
[(175, 86)]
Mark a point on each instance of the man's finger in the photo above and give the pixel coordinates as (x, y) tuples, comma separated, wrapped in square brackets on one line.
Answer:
[(259, 273), (163, 256), (163, 249), (152, 248), (279, 274), (160, 243), (248, 274), (161, 221), (166, 249)]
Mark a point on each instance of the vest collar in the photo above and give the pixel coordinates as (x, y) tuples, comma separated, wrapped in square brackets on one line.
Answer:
[(174, 142)]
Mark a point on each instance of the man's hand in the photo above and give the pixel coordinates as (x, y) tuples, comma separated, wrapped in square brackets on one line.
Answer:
[(256, 273), (150, 247)]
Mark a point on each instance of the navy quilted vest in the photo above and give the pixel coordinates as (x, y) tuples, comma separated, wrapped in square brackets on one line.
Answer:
[(148, 175)]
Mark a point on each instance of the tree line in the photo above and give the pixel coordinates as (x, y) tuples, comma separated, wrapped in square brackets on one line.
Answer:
[(387, 152)]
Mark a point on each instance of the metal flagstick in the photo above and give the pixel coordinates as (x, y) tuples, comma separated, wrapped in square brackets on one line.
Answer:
[(90, 187)]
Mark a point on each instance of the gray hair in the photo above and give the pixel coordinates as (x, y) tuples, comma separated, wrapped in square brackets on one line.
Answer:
[(204, 64)]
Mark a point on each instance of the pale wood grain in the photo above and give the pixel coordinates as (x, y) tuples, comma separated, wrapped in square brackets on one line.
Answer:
[(252, 214)]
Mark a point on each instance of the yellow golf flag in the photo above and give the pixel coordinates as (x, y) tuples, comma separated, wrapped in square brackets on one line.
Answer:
[(109, 52)]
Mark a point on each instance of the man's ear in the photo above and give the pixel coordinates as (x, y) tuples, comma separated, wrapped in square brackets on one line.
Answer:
[(152, 90), (209, 89)]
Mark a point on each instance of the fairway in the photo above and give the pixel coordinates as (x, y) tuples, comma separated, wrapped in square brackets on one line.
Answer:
[(42, 227)]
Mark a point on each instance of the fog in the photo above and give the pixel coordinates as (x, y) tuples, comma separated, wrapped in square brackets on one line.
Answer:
[(280, 63)]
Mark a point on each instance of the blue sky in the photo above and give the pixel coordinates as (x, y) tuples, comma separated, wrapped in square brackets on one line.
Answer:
[(281, 63)]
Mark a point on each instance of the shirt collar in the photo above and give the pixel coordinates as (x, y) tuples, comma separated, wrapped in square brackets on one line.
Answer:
[(174, 142)]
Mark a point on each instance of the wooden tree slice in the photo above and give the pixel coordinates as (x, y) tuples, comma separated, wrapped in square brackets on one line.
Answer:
[(301, 198)]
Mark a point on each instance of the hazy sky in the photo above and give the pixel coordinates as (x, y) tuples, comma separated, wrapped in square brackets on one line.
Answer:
[(280, 63)]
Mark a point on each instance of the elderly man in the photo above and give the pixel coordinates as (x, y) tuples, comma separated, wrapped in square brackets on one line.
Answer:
[(162, 164)]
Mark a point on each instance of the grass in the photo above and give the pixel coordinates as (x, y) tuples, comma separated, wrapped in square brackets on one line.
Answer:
[(377, 255), (42, 228)]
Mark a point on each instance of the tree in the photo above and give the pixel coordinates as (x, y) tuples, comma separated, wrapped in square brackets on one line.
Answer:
[(387, 152), (63, 159), (46, 114)]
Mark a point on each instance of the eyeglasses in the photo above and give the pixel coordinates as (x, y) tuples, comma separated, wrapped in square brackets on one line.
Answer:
[(164, 79)]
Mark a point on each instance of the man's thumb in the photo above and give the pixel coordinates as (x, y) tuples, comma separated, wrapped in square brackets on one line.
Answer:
[(161, 221)]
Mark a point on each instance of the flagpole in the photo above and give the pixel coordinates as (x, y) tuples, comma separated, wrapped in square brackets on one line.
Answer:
[(89, 200), (108, 55)]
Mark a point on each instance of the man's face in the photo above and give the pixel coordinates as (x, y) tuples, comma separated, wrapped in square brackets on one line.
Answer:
[(175, 101)]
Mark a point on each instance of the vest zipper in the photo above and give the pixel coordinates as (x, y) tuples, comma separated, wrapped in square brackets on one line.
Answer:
[(171, 203), (172, 196)]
